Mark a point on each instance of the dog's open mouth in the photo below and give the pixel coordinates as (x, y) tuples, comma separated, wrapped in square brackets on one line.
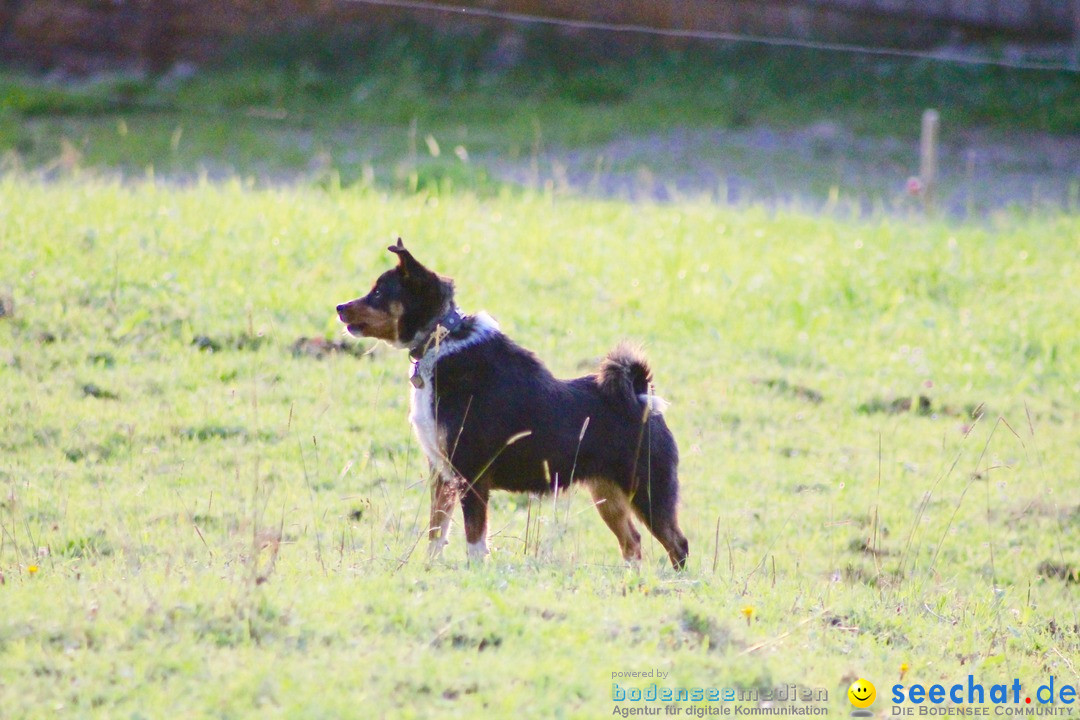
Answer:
[(361, 320)]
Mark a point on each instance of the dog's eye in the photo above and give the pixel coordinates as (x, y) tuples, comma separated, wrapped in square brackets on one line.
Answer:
[(376, 293)]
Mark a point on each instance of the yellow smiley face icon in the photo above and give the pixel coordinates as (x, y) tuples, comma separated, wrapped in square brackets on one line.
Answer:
[(862, 693)]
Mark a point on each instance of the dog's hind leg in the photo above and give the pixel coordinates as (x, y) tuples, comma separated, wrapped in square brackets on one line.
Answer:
[(474, 501), (655, 502), (442, 509), (613, 505)]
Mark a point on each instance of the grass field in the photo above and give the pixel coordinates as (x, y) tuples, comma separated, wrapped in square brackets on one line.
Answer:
[(200, 517), (211, 502)]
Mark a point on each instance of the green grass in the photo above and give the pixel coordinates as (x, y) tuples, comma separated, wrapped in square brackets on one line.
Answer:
[(236, 532)]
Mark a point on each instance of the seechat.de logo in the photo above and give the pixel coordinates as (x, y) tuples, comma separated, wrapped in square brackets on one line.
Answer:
[(862, 695)]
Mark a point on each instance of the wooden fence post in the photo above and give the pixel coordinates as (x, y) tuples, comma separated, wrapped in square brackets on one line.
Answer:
[(928, 155), (1075, 59)]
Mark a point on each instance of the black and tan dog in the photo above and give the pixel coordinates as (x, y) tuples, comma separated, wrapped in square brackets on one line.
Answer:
[(489, 415)]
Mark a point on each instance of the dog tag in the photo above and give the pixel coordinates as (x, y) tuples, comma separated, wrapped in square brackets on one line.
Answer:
[(416, 380)]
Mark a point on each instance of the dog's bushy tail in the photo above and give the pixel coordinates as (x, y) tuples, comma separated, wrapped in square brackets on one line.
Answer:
[(626, 375)]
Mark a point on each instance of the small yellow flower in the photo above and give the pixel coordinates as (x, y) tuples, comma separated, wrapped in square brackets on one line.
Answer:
[(32, 569), (748, 613), (903, 670)]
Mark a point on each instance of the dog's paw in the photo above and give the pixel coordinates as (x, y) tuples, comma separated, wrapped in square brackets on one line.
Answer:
[(435, 548), (477, 551)]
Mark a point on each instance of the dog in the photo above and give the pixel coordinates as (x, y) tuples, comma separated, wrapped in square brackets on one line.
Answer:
[(490, 416)]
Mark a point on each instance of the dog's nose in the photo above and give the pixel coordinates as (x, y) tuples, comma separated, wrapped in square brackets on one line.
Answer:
[(341, 308)]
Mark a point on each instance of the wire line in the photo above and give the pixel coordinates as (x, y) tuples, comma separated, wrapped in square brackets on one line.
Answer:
[(713, 35)]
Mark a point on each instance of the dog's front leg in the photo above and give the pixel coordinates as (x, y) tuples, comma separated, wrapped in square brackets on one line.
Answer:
[(442, 509), (474, 500)]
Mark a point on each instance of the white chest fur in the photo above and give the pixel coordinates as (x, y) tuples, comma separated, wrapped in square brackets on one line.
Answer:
[(423, 409), (422, 417)]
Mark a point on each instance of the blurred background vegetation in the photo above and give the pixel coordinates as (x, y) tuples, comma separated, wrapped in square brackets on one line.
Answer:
[(347, 93)]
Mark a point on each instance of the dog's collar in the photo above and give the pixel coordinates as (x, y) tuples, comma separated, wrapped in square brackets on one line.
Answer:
[(448, 323), (452, 319)]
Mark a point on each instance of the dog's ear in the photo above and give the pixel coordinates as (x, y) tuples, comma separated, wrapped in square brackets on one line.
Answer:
[(407, 264)]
